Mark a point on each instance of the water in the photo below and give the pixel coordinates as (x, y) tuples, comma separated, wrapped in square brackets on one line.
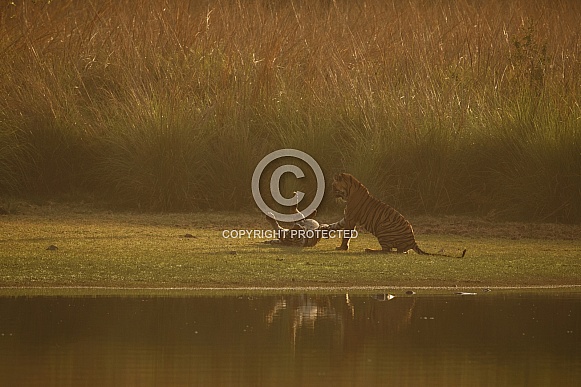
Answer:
[(299, 340)]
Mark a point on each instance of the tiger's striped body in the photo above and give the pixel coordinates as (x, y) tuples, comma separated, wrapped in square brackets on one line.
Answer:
[(392, 230)]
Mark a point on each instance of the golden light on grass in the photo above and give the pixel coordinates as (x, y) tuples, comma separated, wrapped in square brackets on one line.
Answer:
[(439, 107)]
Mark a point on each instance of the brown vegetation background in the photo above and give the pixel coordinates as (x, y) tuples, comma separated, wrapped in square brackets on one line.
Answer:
[(456, 107)]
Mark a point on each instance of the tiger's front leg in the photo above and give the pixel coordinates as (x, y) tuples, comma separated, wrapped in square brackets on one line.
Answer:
[(343, 225), (344, 243)]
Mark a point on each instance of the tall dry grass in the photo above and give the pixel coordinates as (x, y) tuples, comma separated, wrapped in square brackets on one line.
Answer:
[(438, 107)]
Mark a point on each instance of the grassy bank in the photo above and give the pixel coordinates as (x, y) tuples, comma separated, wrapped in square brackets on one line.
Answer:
[(440, 107), (103, 249)]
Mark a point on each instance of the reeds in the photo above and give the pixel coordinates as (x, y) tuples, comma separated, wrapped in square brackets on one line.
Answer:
[(438, 107)]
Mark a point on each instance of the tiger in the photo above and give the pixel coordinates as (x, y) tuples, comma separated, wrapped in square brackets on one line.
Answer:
[(392, 230)]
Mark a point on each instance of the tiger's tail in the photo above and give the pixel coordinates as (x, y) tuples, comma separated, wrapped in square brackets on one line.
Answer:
[(422, 252)]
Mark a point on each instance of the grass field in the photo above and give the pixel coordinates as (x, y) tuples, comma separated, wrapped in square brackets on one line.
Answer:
[(439, 107), (97, 248)]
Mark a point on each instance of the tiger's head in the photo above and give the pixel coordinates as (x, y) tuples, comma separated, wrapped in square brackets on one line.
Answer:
[(345, 185)]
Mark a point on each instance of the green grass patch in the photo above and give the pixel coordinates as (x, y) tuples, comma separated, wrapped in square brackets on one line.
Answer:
[(102, 249)]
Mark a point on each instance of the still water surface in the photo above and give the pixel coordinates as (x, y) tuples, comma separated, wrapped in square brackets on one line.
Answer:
[(298, 340)]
